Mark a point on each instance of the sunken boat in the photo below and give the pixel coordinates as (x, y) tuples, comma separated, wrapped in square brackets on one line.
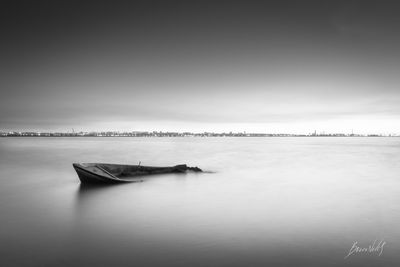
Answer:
[(97, 173)]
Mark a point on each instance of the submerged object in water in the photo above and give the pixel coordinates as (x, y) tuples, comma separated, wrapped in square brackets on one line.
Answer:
[(117, 173)]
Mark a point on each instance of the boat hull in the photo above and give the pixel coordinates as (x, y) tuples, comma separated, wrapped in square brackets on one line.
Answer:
[(87, 177), (101, 173)]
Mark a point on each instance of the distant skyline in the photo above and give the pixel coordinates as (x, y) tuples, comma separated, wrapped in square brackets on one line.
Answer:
[(218, 66), (182, 134)]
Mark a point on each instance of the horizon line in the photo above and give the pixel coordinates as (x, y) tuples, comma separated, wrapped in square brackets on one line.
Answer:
[(136, 133)]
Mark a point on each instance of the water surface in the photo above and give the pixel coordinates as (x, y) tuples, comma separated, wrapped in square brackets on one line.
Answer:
[(270, 202)]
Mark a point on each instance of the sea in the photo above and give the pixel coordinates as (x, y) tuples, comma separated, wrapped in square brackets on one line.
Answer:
[(263, 201)]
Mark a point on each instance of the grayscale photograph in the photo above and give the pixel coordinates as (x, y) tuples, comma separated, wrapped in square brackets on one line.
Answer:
[(198, 133)]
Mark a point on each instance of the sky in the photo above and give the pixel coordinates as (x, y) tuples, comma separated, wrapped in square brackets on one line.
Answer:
[(254, 66)]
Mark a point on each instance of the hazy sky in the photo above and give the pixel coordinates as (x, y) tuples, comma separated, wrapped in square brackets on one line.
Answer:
[(268, 66)]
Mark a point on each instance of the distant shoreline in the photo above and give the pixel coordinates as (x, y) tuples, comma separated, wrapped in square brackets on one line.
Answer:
[(189, 136)]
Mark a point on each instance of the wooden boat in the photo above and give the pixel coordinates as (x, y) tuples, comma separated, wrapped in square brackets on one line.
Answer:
[(117, 173)]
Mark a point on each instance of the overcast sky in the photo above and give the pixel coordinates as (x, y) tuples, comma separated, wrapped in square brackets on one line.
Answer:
[(268, 66)]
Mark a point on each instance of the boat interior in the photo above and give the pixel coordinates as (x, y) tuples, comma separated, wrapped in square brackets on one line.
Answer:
[(126, 171)]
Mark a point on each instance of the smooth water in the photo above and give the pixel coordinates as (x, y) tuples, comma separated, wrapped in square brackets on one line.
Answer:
[(270, 202)]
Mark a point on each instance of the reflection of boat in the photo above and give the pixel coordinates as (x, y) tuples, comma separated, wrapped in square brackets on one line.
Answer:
[(116, 173)]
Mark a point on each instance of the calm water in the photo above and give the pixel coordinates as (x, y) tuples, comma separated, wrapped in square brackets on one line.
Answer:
[(270, 202)]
